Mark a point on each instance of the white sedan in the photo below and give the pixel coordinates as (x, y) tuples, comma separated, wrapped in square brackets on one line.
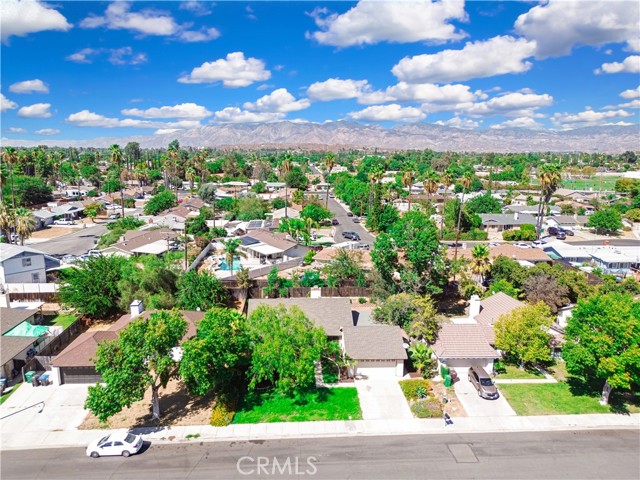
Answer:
[(64, 222), (119, 443)]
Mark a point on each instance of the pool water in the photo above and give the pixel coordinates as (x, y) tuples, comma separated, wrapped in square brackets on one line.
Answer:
[(237, 265)]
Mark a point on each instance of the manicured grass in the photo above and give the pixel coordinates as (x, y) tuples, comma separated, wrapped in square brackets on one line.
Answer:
[(62, 320), (515, 373), (608, 183), (557, 399), (559, 371), (6, 396), (321, 404)]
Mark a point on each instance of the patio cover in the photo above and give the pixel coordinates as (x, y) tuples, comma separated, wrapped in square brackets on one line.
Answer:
[(265, 249), (25, 329), (154, 248)]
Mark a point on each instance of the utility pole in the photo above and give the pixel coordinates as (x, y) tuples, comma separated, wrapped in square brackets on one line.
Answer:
[(185, 247)]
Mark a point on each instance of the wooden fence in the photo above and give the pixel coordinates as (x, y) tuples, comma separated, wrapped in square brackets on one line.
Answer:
[(257, 291), (47, 297)]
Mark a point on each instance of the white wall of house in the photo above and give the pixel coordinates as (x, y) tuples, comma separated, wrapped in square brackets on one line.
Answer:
[(381, 368), (462, 364), (25, 268)]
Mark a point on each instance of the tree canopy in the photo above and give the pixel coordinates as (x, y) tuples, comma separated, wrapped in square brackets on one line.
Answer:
[(160, 202), (200, 291), (607, 219)]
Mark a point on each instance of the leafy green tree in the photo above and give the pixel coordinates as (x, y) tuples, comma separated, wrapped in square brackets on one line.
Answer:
[(25, 223), (259, 187), (523, 334), (603, 341), (411, 312), (316, 213), (92, 289), (219, 355), (200, 290), (483, 204), (28, 191), (385, 258), (197, 226), (421, 357), (160, 202), (296, 179), (207, 193), (277, 286), (147, 278), (250, 208), (346, 265), (125, 223), (607, 219), (141, 358), (504, 286), (286, 346), (387, 218)]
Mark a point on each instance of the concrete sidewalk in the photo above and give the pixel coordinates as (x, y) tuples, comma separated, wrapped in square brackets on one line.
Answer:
[(352, 428)]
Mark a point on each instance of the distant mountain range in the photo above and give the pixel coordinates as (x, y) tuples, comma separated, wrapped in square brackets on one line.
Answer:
[(342, 135)]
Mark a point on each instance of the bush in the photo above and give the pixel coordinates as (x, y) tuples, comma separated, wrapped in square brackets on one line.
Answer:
[(308, 258), (410, 387), (526, 233), (126, 223), (362, 300), (111, 237), (499, 367), (218, 232), (221, 415), (474, 234), (160, 202), (429, 408)]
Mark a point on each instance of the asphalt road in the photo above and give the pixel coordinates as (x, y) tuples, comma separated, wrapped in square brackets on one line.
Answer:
[(76, 243), (594, 454), (346, 223)]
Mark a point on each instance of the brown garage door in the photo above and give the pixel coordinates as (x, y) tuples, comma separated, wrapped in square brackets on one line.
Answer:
[(79, 375)]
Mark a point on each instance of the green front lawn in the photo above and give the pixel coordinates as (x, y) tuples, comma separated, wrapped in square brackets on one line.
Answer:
[(558, 399), (62, 320), (320, 404), (8, 392), (515, 373)]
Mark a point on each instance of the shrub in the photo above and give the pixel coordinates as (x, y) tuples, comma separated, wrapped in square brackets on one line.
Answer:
[(308, 258), (329, 372), (362, 300), (422, 392), (218, 232), (499, 367), (526, 233), (410, 387), (221, 415), (428, 408), (126, 223)]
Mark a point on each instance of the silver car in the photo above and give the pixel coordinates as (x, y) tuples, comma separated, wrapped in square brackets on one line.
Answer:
[(483, 383)]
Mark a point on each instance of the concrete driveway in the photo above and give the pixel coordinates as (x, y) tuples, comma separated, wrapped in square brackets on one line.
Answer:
[(480, 407), (63, 410), (381, 398)]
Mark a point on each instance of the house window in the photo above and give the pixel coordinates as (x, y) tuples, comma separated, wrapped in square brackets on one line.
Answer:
[(26, 262), (35, 278)]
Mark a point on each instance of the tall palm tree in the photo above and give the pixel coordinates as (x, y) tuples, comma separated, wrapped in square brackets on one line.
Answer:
[(465, 181), (285, 168), (550, 178), (116, 158), (329, 163), (231, 250), (480, 263), (407, 181), (10, 157), (431, 182), (7, 220), (25, 223), (374, 177)]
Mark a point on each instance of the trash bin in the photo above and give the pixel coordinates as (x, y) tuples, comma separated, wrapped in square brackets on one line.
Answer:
[(34, 381), (44, 379), (447, 380), (29, 375)]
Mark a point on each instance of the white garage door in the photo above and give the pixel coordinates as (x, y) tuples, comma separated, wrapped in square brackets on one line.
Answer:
[(462, 364), (377, 368)]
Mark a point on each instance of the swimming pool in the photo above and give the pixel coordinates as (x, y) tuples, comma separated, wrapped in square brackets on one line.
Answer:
[(237, 264)]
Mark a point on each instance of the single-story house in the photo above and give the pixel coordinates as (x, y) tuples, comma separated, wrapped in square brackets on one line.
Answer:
[(270, 246), (327, 255), (378, 350), (532, 255), (461, 345), (567, 221), (560, 250), (19, 335), (492, 308), (75, 363), (611, 261), (501, 222), (141, 242), (44, 218), (531, 209), (69, 211)]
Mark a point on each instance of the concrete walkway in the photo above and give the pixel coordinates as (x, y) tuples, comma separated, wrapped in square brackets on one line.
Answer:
[(381, 398)]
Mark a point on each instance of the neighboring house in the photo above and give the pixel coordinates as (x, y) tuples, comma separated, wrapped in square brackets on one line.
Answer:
[(24, 264), (462, 345), (14, 348), (612, 262), (69, 211), (75, 363), (492, 308), (501, 222), (290, 212), (327, 255), (44, 218), (568, 221), (529, 255), (560, 250), (270, 246), (172, 221), (143, 242), (378, 350), (531, 209)]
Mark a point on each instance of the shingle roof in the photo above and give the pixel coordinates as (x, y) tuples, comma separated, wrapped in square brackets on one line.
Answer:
[(277, 240), (328, 313), (374, 342), (463, 340), (136, 239), (504, 219), (10, 317), (570, 219), (506, 250), (493, 307), (9, 250), (12, 346)]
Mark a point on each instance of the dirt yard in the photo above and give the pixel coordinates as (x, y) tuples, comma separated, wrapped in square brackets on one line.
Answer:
[(176, 406), (52, 232), (453, 406)]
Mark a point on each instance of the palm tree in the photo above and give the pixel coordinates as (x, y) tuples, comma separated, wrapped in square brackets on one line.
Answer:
[(407, 181), (231, 250), (431, 182), (420, 355), (243, 280), (7, 219), (329, 163), (480, 263), (25, 223), (10, 157), (550, 178), (116, 158), (465, 181), (285, 168), (374, 177)]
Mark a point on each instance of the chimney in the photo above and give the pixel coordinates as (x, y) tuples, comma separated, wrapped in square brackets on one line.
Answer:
[(474, 306), (136, 308), (515, 215)]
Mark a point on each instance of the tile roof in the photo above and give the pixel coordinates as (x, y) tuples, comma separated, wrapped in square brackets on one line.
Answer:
[(506, 250), (375, 342), (328, 313), (277, 240), (463, 340), (137, 238), (326, 255), (10, 317), (498, 304)]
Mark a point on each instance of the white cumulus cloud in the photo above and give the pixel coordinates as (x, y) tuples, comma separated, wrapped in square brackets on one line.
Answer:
[(236, 115), (183, 110), (586, 118), (390, 113), (458, 122), (37, 110), (337, 89), (233, 71), (6, 104), (279, 100), (47, 131), (116, 56), (511, 104), (496, 56), (86, 118), (520, 122), (420, 92), (22, 17), (631, 64), (196, 7), (203, 35), (29, 86), (631, 93), (557, 26), (119, 17), (371, 22), (16, 130)]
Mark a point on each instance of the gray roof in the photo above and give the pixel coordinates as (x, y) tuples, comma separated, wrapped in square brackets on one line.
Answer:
[(570, 219), (9, 250), (44, 214), (10, 347), (374, 342), (10, 317), (507, 219), (531, 208), (328, 313), (463, 340)]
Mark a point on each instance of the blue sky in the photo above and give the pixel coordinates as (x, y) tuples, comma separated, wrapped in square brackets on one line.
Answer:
[(81, 70)]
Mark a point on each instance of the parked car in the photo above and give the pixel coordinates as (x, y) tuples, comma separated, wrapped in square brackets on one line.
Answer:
[(363, 246), (552, 231), (349, 214), (351, 236), (64, 222), (483, 383), (561, 235), (538, 244), (335, 222), (522, 245), (356, 219), (114, 216), (110, 206), (94, 253), (567, 232), (316, 248), (118, 443), (69, 259)]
